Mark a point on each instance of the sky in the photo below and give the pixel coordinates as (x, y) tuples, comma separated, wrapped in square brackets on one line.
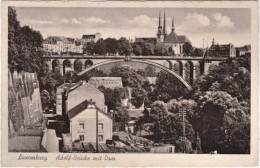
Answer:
[(225, 25)]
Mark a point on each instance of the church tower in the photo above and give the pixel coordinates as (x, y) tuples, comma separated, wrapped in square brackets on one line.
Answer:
[(162, 32)]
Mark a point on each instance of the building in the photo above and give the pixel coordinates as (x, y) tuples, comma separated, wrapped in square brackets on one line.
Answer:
[(90, 37), (224, 50), (70, 95), (88, 123), (59, 45), (172, 41), (107, 82), (80, 102), (242, 51)]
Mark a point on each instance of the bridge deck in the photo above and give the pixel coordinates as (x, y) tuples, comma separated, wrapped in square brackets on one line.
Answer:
[(136, 57)]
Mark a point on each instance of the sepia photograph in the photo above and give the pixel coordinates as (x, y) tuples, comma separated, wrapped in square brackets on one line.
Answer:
[(128, 80)]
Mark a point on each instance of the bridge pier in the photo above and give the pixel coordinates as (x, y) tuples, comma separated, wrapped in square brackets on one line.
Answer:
[(184, 69)]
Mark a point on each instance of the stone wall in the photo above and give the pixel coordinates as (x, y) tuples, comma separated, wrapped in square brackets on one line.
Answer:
[(24, 101)]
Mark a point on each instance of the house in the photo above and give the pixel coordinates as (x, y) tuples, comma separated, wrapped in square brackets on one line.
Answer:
[(242, 51), (90, 37), (88, 123), (58, 44), (224, 50), (70, 95)]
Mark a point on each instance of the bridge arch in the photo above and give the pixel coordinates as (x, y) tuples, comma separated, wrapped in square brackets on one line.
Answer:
[(55, 65), (67, 66), (88, 63), (78, 65), (139, 61)]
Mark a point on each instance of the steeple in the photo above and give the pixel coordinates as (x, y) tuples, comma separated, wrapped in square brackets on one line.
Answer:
[(159, 19), (213, 42), (164, 24), (173, 24), (159, 26)]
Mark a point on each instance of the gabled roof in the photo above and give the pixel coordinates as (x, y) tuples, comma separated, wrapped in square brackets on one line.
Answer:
[(174, 38), (183, 39), (171, 38), (82, 106)]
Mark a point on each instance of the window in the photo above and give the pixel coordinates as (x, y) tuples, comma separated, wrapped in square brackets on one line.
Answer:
[(81, 126), (100, 126), (100, 138), (81, 137)]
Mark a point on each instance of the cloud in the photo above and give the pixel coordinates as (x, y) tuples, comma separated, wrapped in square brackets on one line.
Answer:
[(143, 20), (198, 20), (223, 21), (41, 22), (84, 20), (94, 20), (71, 21)]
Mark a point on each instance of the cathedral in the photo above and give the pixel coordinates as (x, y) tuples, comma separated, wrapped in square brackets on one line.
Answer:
[(172, 41)]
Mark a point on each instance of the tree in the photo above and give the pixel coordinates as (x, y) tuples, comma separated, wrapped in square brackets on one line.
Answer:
[(114, 96), (124, 47), (232, 76), (137, 49), (147, 49), (188, 49), (160, 49), (158, 114), (170, 51), (198, 52), (220, 116), (122, 117), (167, 87), (100, 47), (24, 46), (78, 66), (88, 48), (111, 45), (150, 71), (46, 99), (13, 27)]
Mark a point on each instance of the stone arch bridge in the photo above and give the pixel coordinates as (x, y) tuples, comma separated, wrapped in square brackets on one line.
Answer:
[(186, 69)]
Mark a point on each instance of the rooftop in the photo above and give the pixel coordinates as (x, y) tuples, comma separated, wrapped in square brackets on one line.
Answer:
[(82, 106), (174, 38)]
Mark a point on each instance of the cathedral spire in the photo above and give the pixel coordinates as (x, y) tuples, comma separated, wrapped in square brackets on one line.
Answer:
[(173, 24), (164, 24), (160, 19)]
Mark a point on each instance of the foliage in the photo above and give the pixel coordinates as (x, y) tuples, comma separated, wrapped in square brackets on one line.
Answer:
[(113, 96), (220, 116), (111, 45), (231, 76), (167, 87), (88, 48), (147, 49), (160, 49), (78, 65), (137, 49), (45, 96), (24, 46), (100, 47), (124, 47), (150, 71), (198, 52), (187, 49)]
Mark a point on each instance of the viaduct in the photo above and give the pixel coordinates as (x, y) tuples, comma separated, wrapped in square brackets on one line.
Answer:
[(186, 69)]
